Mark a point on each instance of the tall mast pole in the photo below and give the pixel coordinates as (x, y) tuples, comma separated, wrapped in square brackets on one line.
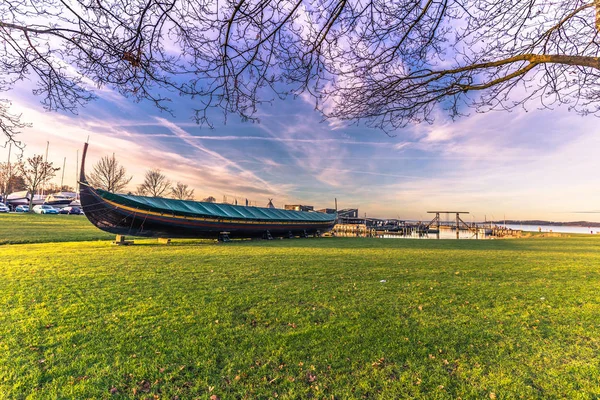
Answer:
[(77, 175), (44, 171), (9, 174), (112, 173), (63, 173)]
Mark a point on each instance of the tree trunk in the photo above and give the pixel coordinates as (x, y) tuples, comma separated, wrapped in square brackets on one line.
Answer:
[(31, 202)]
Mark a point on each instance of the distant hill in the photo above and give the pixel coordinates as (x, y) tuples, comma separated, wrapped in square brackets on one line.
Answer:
[(584, 224)]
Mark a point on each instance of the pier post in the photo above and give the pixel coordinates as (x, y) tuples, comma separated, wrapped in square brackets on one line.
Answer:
[(438, 223), (457, 226)]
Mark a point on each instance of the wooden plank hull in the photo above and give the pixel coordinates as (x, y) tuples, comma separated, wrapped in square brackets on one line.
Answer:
[(121, 219)]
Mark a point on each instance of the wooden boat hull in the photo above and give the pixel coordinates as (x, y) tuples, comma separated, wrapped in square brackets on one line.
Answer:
[(122, 219)]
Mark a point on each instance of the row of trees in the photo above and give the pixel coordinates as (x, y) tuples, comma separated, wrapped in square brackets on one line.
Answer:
[(35, 172), (156, 184), (108, 174), (30, 175)]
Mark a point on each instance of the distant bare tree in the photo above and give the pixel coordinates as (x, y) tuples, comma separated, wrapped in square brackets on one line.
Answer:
[(35, 172), (140, 191), (53, 188), (209, 199), (155, 183), (181, 192), (109, 175), (16, 184), (7, 171)]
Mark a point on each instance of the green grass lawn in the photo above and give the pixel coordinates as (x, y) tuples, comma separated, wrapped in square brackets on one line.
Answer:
[(36, 228), (305, 318)]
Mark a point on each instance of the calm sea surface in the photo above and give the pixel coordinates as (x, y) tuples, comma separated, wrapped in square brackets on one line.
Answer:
[(447, 234), (554, 228)]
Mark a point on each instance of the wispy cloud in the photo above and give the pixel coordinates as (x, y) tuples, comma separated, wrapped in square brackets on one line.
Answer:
[(224, 165), (527, 165), (230, 138)]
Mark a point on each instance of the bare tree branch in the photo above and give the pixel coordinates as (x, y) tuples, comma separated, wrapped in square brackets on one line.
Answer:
[(181, 192), (35, 172), (386, 63), (155, 184), (109, 175), (10, 124)]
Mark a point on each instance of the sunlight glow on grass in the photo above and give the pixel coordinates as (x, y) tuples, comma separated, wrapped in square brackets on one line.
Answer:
[(298, 318)]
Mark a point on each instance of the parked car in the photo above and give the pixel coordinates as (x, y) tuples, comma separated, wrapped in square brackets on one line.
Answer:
[(70, 210), (3, 208), (22, 209), (44, 209)]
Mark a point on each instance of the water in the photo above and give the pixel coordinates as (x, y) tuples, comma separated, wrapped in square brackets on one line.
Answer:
[(463, 234), (444, 234), (450, 234), (554, 228)]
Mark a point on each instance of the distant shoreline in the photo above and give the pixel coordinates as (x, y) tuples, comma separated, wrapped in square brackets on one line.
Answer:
[(581, 224)]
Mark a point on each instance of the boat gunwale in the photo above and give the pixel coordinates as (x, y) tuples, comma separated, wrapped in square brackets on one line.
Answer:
[(191, 215), (210, 218)]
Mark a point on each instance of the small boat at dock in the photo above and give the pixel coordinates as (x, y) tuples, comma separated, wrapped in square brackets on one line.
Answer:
[(60, 199), (22, 198)]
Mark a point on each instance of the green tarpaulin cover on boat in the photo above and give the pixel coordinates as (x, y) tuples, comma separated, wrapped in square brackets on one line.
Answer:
[(202, 209)]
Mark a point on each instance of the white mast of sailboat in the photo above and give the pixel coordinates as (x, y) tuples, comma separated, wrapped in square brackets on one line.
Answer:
[(63, 173), (9, 174), (45, 161), (77, 176)]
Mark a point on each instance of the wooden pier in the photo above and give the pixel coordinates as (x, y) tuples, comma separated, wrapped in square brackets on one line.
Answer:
[(456, 227), (460, 224)]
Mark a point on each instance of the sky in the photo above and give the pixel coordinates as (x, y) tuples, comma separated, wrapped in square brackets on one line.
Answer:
[(534, 164)]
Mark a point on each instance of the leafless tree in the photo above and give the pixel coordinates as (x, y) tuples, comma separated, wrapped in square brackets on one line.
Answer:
[(486, 54), (54, 188), (140, 191), (388, 63), (181, 192), (7, 172), (16, 184), (109, 175), (155, 184), (35, 172), (10, 180)]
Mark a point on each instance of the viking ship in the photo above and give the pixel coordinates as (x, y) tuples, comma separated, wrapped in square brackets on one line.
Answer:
[(168, 218)]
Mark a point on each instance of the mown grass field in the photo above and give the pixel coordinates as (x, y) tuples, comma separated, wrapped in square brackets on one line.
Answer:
[(34, 228), (305, 318)]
